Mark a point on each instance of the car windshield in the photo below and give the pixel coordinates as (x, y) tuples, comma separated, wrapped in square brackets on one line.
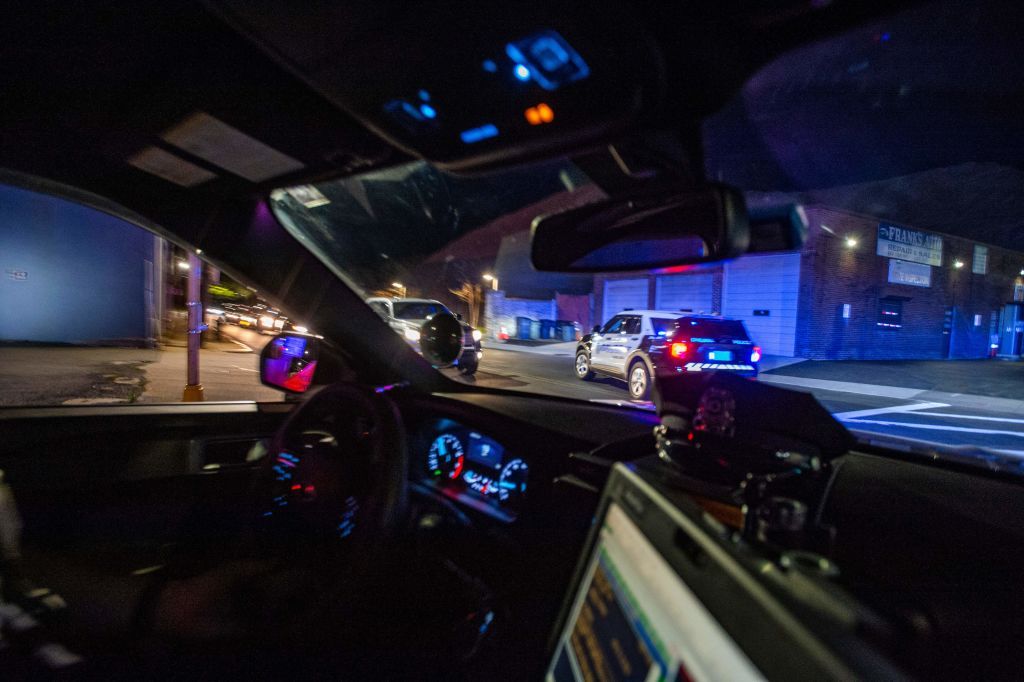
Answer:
[(903, 312), (418, 310)]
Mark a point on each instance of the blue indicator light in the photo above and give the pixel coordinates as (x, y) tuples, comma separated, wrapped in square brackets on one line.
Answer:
[(522, 72), (424, 95), (479, 133), (428, 111), (548, 58), (489, 66)]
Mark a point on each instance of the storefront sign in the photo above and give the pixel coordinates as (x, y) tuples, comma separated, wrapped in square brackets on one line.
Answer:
[(909, 245), (17, 275), (912, 274)]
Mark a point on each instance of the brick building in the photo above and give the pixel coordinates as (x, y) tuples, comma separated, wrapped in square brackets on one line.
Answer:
[(860, 288)]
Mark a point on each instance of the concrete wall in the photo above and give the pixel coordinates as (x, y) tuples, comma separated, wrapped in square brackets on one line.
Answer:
[(72, 274)]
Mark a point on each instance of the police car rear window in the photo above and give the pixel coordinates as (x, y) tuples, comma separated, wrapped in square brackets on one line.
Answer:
[(664, 326), (712, 330)]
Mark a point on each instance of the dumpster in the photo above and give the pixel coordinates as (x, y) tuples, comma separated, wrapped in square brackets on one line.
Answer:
[(565, 330), (547, 329), (523, 327)]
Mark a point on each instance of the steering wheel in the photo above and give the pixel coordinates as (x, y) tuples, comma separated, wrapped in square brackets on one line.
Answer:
[(326, 498), (335, 477)]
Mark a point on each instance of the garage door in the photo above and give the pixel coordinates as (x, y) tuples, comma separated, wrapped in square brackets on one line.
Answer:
[(620, 294), (684, 292), (770, 286)]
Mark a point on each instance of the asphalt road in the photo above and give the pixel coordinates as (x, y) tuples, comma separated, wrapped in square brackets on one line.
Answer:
[(48, 376), (909, 412)]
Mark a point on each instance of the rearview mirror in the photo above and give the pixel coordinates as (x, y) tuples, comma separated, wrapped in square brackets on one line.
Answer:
[(441, 340), (644, 230), (288, 362)]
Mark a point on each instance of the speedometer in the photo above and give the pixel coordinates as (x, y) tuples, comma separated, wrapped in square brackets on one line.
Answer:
[(512, 483), (446, 457)]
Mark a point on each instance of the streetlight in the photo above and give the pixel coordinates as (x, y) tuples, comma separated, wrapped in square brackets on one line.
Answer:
[(399, 285), (492, 279)]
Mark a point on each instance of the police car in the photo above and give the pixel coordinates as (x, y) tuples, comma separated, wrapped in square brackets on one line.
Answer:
[(636, 345), (407, 315)]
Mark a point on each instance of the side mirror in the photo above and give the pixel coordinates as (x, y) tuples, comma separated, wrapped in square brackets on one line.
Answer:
[(458, 316), (288, 362), (441, 340)]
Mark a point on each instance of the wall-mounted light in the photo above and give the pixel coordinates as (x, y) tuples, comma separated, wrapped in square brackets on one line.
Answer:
[(958, 264), (851, 242), (182, 265)]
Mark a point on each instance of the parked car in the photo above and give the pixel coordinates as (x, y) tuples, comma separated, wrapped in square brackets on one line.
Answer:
[(636, 345), (407, 315)]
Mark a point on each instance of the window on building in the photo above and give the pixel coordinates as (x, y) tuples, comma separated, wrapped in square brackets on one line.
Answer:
[(890, 314), (95, 312), (980, 264)]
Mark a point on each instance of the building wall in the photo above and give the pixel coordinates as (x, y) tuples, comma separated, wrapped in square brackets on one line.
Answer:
[(501, 311), (763, 291), (601, 315), (835, 274), (71, 274)]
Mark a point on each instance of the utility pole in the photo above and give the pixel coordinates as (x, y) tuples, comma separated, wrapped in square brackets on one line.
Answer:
[(193, 389)]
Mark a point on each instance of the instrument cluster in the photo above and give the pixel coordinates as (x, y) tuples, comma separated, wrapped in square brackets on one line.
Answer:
[(474, 469)]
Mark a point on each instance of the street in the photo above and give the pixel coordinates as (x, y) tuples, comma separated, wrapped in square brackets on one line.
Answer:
[(950, 418), (969, 403)]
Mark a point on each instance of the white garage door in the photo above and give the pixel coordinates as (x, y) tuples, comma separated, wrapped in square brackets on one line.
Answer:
[(684, 292), (767, 284), (620, 294)]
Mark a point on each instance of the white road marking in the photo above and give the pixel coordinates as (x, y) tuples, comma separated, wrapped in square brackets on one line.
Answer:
[(937, 427), (245, 369), (893, 409), (1007, 420), (1013, 453)]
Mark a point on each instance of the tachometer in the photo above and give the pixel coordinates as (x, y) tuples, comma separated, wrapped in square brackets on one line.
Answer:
[(446, 457), (512, 483)]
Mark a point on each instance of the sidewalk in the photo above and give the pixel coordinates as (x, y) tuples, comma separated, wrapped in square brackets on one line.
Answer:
[(981, 384), (994, 378), (559, 348)]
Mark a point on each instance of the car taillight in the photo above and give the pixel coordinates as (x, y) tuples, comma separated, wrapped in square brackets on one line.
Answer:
[(678, 350), (755, 355)]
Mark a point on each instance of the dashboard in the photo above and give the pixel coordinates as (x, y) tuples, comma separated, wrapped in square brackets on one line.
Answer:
[(471, 468)]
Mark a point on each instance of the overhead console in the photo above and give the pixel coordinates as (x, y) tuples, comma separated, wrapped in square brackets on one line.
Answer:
[(475, 83)]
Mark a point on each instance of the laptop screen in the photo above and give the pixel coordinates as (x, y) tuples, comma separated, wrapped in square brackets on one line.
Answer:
[(633, 618)]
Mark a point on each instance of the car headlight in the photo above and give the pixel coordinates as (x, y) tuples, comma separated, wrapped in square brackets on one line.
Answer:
[(477, 335), (412, 335)]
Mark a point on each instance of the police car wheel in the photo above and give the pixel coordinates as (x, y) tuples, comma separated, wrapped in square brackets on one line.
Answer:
[(639, 381), (583, 370)]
